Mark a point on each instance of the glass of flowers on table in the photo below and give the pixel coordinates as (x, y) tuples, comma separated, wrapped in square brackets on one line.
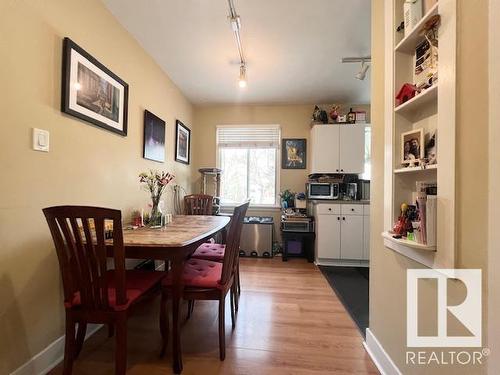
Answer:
[(155, 182)]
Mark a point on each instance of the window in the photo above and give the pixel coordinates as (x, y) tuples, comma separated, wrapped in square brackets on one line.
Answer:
[(248, 157)]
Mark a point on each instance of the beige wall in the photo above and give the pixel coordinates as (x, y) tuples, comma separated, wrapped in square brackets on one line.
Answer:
[(85, 165), (388, 271), (294, 121)]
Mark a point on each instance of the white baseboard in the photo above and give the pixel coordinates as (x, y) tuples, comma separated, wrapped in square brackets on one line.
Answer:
[(50, 357), (379, 356)]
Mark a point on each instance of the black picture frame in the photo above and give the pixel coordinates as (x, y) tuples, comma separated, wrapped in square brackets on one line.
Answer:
[(296, 159), (154, 138), (112, 97), (182, 143)]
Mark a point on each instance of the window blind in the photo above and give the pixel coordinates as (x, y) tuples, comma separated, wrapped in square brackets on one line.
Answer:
[(248, 136)]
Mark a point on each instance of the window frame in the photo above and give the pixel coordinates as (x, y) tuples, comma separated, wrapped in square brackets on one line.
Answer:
[(276, 204)]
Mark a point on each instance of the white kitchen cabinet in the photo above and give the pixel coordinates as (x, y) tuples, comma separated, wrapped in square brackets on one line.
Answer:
[(342, 233), (351, 237), (328, 236), (338, 148), (366, 237), (325, 149), (352, 148)]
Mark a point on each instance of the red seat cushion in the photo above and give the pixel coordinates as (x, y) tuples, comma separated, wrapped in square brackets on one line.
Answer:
[(210, 251), (199, 273), (137, 283)]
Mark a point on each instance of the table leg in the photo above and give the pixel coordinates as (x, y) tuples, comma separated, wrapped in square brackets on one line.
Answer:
[(177, 268)]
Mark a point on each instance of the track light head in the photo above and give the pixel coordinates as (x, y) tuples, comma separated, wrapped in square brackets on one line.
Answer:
[(242, 82), (361, 75)]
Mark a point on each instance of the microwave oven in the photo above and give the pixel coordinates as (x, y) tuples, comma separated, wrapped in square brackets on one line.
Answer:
[(320, 190)]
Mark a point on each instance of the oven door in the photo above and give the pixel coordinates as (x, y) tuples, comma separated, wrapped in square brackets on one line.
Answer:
[(319, 191)]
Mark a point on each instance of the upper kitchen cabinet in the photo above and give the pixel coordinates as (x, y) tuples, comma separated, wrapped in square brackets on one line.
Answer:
[(338, 149)]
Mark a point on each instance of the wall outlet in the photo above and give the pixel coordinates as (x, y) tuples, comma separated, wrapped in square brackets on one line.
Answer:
[(40, 140)]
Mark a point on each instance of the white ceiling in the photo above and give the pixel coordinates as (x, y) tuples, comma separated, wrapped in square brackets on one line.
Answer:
[(293, 47)]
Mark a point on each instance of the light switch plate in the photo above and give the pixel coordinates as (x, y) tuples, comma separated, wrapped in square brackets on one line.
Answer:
[(40, 140)]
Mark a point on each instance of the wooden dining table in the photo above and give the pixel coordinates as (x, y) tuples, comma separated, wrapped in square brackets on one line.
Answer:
[(175, 243)]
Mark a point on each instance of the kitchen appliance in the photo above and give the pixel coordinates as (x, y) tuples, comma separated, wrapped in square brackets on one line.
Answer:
[(304, 225), (364, 190), (257, 237), (352, 191), (322, 190)]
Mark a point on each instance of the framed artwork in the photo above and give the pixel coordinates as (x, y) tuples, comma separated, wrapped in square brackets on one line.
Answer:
[(294, 153), (412, 147), (182, 142), (431, 148), (154, 137), (91, 92)]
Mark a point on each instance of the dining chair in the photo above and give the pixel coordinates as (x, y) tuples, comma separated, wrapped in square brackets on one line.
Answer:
[(208, 280), (198, 204), (95, 292)]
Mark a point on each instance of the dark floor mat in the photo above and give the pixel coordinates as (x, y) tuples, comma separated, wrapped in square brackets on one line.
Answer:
[(351, 286)]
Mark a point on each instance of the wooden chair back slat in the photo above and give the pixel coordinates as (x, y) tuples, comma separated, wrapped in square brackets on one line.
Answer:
[(81, 251), (198, 204), (233, 242)]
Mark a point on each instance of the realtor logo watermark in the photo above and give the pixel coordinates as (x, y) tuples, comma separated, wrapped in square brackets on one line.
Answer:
[(468, 313)]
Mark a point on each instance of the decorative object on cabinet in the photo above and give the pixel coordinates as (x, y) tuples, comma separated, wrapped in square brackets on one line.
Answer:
[(412, 10), (412, 150), (342, 119), (360, 117), (91, 92), (334, 112), (294, 153), (319, 115), (351, 117), (407, 92), (154, 137), (182, 142)]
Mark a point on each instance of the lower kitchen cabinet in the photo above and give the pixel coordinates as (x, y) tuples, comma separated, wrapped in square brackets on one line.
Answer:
[(342, 233)]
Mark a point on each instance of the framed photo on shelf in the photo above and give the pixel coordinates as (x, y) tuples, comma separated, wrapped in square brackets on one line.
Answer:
[(431, 148), (182, 142), (294, 153), (91, 92), (154, 137), (412, 147)]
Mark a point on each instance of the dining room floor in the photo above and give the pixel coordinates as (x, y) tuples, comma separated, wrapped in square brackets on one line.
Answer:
[(289, 322)]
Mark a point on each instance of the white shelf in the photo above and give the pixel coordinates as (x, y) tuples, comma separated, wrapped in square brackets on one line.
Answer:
[(425, 97), (399, 244), (409, 42), (416, 169)]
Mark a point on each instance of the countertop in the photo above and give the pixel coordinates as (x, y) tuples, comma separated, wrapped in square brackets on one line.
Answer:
[(327, 201)]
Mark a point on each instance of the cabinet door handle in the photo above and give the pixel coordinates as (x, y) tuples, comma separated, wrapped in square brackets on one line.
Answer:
[(338, 218), (342, 170), (329, 209), (352, 209), (343, 218), (337, 170)]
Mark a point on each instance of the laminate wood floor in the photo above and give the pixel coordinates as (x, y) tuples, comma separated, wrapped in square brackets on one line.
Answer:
[(289, 322)]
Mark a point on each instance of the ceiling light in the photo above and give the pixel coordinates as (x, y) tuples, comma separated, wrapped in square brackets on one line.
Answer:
[(243, 77), (362, 73)]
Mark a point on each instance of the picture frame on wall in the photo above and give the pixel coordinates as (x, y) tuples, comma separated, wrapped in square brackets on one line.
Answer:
[(294, 153), (154, 137), (412, 147), (92, 92), (182, 142)]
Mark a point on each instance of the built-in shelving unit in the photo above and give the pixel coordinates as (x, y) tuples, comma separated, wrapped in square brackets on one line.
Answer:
[(427, 168), (432, 110)]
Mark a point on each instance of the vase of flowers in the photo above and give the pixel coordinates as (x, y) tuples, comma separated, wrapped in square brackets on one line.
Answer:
[(155, 182)]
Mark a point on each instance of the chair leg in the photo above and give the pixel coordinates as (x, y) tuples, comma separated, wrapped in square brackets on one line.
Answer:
[(111, 330), (238, 278), (69, 345), (164, 323), (222, 331), (232, 299), (234, 290), (121, 345), (190, 309), (80, 337)]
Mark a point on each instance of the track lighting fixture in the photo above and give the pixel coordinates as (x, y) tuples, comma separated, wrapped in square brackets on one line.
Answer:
[(361, 75), (235, 21), (243, 76)]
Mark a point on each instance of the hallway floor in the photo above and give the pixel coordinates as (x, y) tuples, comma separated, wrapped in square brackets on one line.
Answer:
[(289, 322)]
